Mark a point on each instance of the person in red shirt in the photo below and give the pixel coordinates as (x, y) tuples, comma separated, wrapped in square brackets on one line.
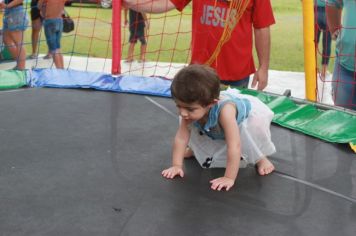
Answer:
[(234, 59)]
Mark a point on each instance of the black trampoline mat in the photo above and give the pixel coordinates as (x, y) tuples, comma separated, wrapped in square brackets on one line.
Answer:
[(84, 162)]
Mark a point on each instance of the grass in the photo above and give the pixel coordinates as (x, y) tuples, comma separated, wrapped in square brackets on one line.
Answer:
[(93, 37)]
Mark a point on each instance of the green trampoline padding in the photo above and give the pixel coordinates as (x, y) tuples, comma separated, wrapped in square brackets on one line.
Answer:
[(330, 125), (11, 79), (5, 54)]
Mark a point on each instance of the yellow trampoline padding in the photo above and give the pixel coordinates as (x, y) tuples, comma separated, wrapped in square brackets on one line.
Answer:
[(353, 146)]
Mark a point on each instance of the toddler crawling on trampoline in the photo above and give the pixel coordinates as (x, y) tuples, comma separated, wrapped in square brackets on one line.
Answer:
[(218, 128)]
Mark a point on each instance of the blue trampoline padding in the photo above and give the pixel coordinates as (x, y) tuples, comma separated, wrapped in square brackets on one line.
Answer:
[(55, 78)]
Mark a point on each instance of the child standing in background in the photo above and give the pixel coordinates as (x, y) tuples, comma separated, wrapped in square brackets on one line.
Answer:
[(218, 129), (138, 25), (51, 11)]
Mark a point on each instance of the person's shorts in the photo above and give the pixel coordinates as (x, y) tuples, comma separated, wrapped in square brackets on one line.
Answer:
[(15, 19), (237, 83), (137, 34), (35, 13), (53, 32)]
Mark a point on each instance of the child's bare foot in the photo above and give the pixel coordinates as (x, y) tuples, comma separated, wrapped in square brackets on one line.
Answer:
[(264, 166), (188, 153)]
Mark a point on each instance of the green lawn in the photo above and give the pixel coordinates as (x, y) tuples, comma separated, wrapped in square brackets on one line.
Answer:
[(287, 36), (93, 37)]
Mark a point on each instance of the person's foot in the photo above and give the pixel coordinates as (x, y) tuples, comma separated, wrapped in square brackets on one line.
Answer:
[(16, 68), (324, 72), (33, 56), (188, 153), (264, 166), (48, 56), (322, 77), (128, 61)]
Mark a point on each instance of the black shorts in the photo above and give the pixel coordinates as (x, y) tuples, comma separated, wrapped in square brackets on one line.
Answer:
[(137, 34), (35, 12), (134, 38)]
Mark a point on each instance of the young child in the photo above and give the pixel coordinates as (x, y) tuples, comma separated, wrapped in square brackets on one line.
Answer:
[(138, 24), (218, 129), (51, 11)]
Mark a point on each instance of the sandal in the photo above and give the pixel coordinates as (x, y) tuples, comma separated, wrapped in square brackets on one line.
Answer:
[(48, 56)]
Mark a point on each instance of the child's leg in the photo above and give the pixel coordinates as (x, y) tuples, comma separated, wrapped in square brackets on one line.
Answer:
[(188, 153), (208, 152), (264, 166), (143, 52), (143, 48), (58, 59), (256, 143), (130, 52)]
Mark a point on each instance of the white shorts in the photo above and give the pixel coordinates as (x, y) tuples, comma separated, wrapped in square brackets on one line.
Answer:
[(255, 136)]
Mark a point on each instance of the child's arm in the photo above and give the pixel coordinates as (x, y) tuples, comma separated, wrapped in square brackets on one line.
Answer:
[(228, 122), (180, 144)]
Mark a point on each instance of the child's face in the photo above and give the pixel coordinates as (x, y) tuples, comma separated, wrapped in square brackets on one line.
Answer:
[(192, 111)]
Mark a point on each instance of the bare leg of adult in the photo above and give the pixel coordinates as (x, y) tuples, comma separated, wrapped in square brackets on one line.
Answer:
[(35, 35), (11, 47), (18, 38), (10, 44), (14, 41), (21, 63), (324, 70)]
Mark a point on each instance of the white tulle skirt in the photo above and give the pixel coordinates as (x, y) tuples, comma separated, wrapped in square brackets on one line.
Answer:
[(255, 136)]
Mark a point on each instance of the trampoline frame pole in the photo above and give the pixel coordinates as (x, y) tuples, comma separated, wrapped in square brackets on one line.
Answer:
[(309, 50), (116, 37)]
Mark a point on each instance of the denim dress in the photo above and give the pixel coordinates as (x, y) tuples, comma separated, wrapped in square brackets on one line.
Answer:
[(15, 19), (253, 118)]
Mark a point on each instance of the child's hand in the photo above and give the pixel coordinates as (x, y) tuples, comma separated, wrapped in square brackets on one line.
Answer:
[(222, 182), (170, 173)]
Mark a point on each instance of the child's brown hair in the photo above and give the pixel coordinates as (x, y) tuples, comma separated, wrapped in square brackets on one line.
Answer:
[(196, 83)]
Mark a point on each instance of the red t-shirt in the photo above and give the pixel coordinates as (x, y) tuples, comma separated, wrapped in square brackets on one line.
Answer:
[(235, 60)]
